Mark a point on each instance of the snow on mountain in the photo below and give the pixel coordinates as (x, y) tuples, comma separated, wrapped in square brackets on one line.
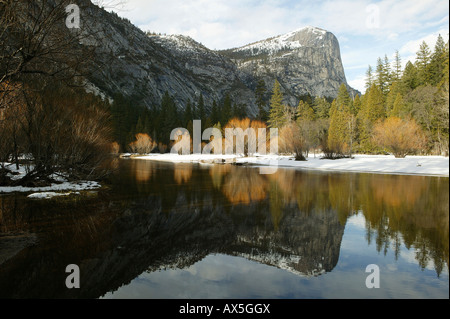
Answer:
[(286, 42)]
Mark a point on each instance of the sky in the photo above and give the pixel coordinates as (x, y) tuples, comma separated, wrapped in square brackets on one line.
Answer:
[(366, 30)]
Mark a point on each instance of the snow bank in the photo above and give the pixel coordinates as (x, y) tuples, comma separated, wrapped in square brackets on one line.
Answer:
[(187, 158), (386, 164), (420, 165), (61, 184), (66, 186), (48, 195)]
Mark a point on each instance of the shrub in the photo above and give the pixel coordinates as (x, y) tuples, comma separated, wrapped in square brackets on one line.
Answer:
[(143, 144), (400, 137)]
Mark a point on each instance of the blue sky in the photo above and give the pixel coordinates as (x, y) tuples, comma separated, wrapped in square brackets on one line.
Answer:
[(365, 29)]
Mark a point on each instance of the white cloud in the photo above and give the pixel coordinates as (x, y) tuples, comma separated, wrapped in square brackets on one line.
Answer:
[(366, 29), (224, 24), (358, 83), (410, 48)]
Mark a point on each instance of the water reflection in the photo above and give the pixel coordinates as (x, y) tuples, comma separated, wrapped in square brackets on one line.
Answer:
[(159, 215)]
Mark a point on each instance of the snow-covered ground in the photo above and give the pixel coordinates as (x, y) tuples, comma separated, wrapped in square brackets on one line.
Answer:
[(60, 185), (48, 195), (65, 186), (387, 164)]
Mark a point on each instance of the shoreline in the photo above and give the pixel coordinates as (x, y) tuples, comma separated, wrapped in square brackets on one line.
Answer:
[(435, 166), (432, 166)]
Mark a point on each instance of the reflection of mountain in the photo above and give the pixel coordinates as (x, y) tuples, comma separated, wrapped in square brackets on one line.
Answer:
[(303, 244), (296, 222)]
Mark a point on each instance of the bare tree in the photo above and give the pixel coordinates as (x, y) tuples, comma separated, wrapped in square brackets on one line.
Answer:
[(293, 141), (35, 40)]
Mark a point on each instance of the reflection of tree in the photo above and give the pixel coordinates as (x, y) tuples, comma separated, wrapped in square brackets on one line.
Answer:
[(295, 224), (411, 208), (243, 186), (342, 190), (217, 172), (182, 173), (143, 170), (276, 204)]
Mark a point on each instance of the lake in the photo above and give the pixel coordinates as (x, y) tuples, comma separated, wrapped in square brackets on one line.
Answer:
[(165, 230)]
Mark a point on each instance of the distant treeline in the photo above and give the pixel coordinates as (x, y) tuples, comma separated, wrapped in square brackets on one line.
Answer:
[(403, 111)]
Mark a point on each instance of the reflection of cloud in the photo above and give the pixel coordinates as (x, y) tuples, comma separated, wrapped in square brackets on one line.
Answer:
[(242, 278), (409, 256), (357, 221)]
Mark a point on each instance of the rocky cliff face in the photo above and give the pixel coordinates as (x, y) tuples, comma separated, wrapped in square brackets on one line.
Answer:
[(143, 66), (305, 61)]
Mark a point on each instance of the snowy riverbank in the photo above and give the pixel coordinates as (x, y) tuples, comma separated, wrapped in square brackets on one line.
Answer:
[(50, 191), (386, 164)]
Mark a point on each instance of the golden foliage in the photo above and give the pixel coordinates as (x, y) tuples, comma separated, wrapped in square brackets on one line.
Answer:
[(251, 143), (143, 144), (400, 136), (182, 173), (244, 187), (292, 141)]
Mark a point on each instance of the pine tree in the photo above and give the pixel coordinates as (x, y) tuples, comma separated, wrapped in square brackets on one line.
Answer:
[(124, 120), (188, 114), (422, 63), (397, 72), (387, 72), (357, 104), (140, 126), (227, 109), (340, 132), (369, 77), (201, 109), (441, 110), (215, 114), (410, 78), (169, 118), (304, 112), (437, 62), (343, 98), (372, 109), (398, 109), (276, 113), (321, 107), (382, 79), (260, 93), (375, 104), (392, 95)]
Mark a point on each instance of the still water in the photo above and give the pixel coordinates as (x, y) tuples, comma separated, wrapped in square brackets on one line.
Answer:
[(164, 230)]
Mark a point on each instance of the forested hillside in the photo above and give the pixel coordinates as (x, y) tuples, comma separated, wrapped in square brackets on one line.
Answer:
[(404, 111)]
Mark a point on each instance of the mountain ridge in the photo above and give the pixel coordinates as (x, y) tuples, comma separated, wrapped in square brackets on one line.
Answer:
[(143, 66)]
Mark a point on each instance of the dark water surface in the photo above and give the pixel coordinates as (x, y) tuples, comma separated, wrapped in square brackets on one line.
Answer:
[(164, 230)]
